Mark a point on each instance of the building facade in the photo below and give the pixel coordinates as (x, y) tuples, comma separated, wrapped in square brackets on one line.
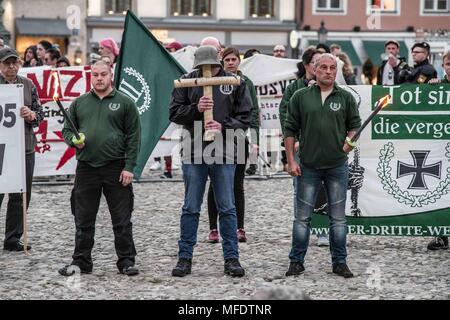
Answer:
[(362, 26), (62, 22), (245, 24)]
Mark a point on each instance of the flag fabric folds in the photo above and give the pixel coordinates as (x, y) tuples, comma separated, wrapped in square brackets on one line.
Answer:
[(145, 72)]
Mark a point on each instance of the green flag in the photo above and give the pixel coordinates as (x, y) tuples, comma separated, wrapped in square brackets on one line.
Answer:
[(145, 72)]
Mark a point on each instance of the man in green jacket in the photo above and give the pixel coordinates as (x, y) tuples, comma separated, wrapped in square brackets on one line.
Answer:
[(309, 58), (108, 122), (325, 117)]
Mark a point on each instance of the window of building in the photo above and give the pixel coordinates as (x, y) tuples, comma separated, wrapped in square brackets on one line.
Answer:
[(262, 8), (436, 6), (117, 6), (328, 5), (191, 8), (386, 6)]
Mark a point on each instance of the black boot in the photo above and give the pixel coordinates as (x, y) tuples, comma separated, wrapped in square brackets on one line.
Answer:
[(295, 269), (233, 268), (16, 246), (183, 268), (251, 170)]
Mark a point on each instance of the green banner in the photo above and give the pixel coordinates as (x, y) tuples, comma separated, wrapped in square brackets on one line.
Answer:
[(145, 72), (414, 97), (412, 127), (399, 173), (427, 224)]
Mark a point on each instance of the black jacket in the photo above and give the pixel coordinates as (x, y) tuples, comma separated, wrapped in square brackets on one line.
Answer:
[(422, 73), (399, 68), (232, 108)]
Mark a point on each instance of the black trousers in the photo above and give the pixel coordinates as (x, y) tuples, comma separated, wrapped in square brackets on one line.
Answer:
[(89, 184), (14, 212), (239, 196)]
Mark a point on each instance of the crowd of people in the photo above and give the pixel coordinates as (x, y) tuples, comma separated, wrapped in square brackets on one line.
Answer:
[(319, 178)]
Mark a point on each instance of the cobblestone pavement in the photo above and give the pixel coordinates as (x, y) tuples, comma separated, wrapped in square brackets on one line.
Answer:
[(384, 267)]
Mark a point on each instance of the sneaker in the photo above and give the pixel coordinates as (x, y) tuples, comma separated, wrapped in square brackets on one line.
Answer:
[(213, 236), (130, 271), (175, 167), (70, 270), (251, 170), (156, 166), (323, 241), (241, 235), (295, 269), (341, 269), (233, 268), (183, 268), (17, 246), (166, 175), (438, 243)]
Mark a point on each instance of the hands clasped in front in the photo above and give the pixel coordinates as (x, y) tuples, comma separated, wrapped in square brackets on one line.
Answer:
[(205, 104)]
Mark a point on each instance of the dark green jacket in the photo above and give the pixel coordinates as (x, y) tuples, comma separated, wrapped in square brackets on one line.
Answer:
[(287, 95), (445, 80), (111, 126), (254, 123), (322, 127)]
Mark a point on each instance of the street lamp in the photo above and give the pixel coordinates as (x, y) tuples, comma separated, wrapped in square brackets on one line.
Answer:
[(322, 33), (294, 42)]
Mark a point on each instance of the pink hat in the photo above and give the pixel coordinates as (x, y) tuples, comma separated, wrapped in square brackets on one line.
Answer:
[(111, 45), (174, 45)]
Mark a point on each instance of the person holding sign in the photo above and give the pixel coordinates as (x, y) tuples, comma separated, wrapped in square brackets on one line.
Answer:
[(325, 117), (107, 149), (32, 113), (213, 155)]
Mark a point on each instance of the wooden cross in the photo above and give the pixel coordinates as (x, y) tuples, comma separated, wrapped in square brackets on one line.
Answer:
[(207, 82)]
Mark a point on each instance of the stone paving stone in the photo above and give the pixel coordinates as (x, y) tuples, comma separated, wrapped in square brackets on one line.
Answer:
[(384, 267)]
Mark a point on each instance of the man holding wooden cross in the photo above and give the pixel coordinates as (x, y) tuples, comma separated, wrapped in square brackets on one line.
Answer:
[(214, 107)]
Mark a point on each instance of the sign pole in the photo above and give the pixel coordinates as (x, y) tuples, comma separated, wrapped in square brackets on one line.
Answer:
[(25, 223)]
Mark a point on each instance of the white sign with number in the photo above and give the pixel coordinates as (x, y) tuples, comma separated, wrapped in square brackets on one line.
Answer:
[(12, 140)]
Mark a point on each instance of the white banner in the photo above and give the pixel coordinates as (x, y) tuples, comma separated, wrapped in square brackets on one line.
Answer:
[(270, 75), (12, 140), (53, 156)]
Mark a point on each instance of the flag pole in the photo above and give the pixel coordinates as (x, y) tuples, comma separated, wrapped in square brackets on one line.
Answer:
[(25, 224)]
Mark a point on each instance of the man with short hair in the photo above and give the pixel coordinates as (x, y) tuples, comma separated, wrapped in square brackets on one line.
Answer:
[(33, 115), (442, 241), (279, 51), (41, 48), (216, 159), (423, 70), (389, 71), (335, 49), (51, 57), (325, 117), (108, 122)]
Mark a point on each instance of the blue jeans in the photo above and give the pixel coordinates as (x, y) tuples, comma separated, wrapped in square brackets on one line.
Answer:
[(222, 180), (308, 186)]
